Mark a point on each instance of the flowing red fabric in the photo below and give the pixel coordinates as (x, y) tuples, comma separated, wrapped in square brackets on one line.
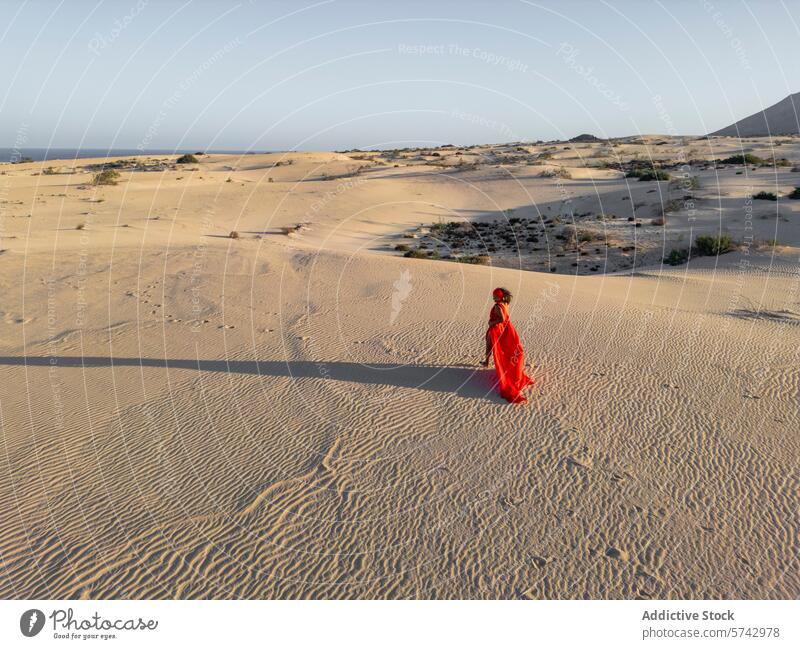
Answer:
[(509, 358)]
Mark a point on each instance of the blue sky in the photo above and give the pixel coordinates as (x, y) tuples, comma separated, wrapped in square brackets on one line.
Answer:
[(164, 74)]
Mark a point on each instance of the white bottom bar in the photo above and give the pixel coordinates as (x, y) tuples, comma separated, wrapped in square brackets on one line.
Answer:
[(401, 623)]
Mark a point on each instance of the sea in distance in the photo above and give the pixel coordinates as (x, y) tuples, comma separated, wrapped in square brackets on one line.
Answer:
[(40, 154)]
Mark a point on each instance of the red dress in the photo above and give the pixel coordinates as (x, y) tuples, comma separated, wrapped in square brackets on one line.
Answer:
[(509, 356)]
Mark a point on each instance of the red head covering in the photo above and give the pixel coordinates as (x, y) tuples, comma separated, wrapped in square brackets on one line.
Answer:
[(498, 294)]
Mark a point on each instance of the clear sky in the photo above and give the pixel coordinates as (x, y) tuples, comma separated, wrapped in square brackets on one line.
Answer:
[(177, 74)]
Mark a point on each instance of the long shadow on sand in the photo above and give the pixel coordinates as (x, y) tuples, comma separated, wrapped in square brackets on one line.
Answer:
[(468, 382)]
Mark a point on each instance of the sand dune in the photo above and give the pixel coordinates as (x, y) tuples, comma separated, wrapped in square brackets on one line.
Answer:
[(299, 413)]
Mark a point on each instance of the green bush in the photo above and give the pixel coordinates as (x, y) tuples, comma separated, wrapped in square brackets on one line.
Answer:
[(708, 245), (187, 158), (677, 257), (422, 254), (765, 196), (106, 177), (444, 227), (654, 175), (481, 260), (741, 159), (795, 193), (561, 172)]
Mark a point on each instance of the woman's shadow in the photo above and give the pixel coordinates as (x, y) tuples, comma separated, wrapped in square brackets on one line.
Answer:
[(464, 381)]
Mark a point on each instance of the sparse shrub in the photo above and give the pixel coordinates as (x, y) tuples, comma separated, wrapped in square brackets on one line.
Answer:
[(708, 245), (49, 171), (233, 235), (656, 174), (444, 227), (106, 177), (80, 226), (187, 158), (561, 172), (685, 183), (676, 257), (573, 236), (765, 196), (585, 236), (740, 159), (480, 260), (672, 205), (402, 247), (420, 253), (658, 221)]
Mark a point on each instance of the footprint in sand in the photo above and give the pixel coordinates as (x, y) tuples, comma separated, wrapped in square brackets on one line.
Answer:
[(508, 502), (540, 562), (581, 460), (617, 553), (15, 320)]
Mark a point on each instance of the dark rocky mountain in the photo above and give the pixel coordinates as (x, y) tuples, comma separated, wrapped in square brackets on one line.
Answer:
[(781, 119), (585, 137)]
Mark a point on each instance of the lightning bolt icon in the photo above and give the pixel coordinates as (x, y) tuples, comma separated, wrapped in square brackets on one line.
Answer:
[(32, 620)]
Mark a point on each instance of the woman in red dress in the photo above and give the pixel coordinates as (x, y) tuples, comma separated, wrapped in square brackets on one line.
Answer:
[(502, 341)]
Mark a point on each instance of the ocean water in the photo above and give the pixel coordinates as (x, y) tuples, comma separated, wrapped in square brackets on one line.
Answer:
[(13, 155)]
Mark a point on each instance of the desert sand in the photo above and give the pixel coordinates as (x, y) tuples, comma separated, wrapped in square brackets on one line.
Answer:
[(298, 411)]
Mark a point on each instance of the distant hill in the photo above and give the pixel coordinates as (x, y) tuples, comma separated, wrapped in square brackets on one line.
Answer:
[(585, 137), (781, 119)]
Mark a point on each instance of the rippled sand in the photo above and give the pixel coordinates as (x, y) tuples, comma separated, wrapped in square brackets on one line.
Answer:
[(186, 415)]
